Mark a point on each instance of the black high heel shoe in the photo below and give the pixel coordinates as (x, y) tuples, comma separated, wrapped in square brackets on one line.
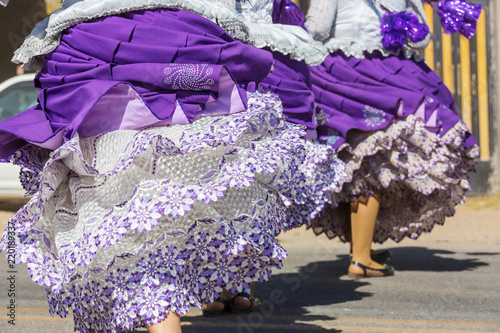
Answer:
[(386, 271)]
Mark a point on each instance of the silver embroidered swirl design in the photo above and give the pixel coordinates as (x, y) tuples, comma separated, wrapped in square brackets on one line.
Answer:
[(189, 76)]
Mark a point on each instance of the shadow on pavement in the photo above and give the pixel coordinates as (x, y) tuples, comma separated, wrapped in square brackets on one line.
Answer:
[(285, 299), (483, 253)]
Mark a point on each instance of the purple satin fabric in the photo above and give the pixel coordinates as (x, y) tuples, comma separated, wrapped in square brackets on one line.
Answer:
[(349, 90), (286, 12), (291, 81), (172, 65), (399, 27)]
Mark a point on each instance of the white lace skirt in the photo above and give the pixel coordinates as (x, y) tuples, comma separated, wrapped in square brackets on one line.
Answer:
[(125, 226), (420, 175)]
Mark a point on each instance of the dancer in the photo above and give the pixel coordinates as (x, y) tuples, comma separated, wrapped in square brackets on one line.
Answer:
[(392, 120), (290, 80), (158, 176)]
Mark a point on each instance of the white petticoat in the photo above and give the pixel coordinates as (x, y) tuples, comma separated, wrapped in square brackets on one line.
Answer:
[(421, 177), (125, 226)]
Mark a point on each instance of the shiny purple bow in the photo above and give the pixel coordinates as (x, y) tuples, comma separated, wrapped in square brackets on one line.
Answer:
[(286, 12), (458, 16), (399, 27)]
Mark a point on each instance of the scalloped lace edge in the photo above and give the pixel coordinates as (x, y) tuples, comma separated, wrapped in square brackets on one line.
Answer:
[(359, 50)]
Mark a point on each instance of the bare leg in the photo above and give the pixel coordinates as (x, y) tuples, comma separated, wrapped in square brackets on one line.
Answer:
[(243, 302), (171, 324), (216, 306), (363, 219)]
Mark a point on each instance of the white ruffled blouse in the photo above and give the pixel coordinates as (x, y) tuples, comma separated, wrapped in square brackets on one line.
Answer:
[(353, 26), (248, 21), (286, 39)]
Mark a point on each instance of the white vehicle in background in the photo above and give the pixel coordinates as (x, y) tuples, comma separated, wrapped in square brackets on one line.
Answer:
[(16, 95)]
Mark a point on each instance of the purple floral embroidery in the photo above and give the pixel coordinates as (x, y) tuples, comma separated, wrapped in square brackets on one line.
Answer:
[(231, 243), (151, 270), (93, 292), (43, 272), (189, 77), (111, 268), (211, 193), (84, 250), (171, 262), (209, 289), (56, 304), (143, 215), (200, 247), (120, 281), (124, 315), (150, 302), (241, 280), (238, 175), (79, 300), (82, 323), (222, 271), (176, 200), (177, 298), (111, 231)]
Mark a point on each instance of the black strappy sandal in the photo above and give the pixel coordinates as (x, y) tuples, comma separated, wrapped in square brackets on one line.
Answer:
[(254, 303), (386, 271), (379, 257), (215, 313)]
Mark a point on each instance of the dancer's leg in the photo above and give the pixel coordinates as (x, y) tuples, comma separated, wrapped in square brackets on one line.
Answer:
[(217, 306), (171, 324), (363, 218), (243, 302)]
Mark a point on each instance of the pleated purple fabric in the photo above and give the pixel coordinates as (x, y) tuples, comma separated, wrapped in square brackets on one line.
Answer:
[(291, 81), (167, 68), (368, 94)]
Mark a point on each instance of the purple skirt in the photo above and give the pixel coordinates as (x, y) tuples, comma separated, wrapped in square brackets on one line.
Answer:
[(291, 81), (129, 219), (161, 69), (394, 123)]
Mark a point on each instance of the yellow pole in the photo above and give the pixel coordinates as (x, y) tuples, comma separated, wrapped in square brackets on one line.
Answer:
[(482, 80), (447, 62), (429, 50), (51, 6), (465, 82)]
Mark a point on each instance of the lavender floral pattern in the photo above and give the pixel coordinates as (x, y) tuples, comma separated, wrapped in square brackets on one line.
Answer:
[(161, 218)]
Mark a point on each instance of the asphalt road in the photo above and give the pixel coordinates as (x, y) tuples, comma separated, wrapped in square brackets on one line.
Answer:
[(447, 281)]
